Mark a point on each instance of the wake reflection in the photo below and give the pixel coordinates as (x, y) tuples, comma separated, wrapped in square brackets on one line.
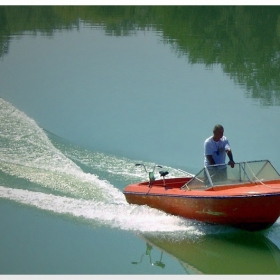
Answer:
[(228, 253)]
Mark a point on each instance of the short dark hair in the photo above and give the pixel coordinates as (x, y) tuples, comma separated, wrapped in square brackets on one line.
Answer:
[(217, 127)]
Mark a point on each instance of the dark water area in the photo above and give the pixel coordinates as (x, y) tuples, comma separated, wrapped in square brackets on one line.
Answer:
[(88, 91)]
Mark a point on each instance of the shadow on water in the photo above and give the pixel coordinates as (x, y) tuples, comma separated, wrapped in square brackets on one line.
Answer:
[(228, 253)]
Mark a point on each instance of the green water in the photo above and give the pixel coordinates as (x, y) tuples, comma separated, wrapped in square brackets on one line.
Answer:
[(86, 92)]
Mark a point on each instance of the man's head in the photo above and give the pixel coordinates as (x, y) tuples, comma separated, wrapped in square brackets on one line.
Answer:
[(218, 132)]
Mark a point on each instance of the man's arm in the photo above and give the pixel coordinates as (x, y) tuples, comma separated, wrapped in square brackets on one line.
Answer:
[(231, 161), (210, 159)]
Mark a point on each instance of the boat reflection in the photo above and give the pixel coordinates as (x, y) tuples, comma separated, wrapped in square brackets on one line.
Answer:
[(148, 253), (227, 253)]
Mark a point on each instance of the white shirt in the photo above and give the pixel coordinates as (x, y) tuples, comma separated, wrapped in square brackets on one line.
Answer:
[(216, 149)]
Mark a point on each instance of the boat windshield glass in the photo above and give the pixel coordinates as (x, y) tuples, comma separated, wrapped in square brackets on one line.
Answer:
[(243, 172)]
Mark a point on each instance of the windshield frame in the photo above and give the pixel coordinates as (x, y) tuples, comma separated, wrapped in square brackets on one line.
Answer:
[(242, 173)]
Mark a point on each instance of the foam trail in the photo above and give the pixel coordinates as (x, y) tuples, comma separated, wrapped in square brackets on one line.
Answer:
[(27, 153), (122, 169), (122, 216), (21, 138)]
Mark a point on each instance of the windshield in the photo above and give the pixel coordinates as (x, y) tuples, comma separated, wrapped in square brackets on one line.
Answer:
[(243, 172)]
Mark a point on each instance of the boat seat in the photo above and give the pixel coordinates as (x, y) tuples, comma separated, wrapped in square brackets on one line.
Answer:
[(163, 173)]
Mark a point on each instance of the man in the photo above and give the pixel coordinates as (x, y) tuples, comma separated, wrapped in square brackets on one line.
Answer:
[(216, 147)]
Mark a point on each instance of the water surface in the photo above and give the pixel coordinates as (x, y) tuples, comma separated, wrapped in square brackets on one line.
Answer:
[(86, 92)]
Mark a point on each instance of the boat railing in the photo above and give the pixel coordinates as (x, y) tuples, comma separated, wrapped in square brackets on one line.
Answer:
[(151, 173), (162, 174), (223, 174)]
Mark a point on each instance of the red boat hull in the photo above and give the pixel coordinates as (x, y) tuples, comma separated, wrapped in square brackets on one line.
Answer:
[(250, 207)]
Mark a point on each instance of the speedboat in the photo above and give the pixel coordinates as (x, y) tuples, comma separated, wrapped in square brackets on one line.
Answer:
[(246, 196)]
